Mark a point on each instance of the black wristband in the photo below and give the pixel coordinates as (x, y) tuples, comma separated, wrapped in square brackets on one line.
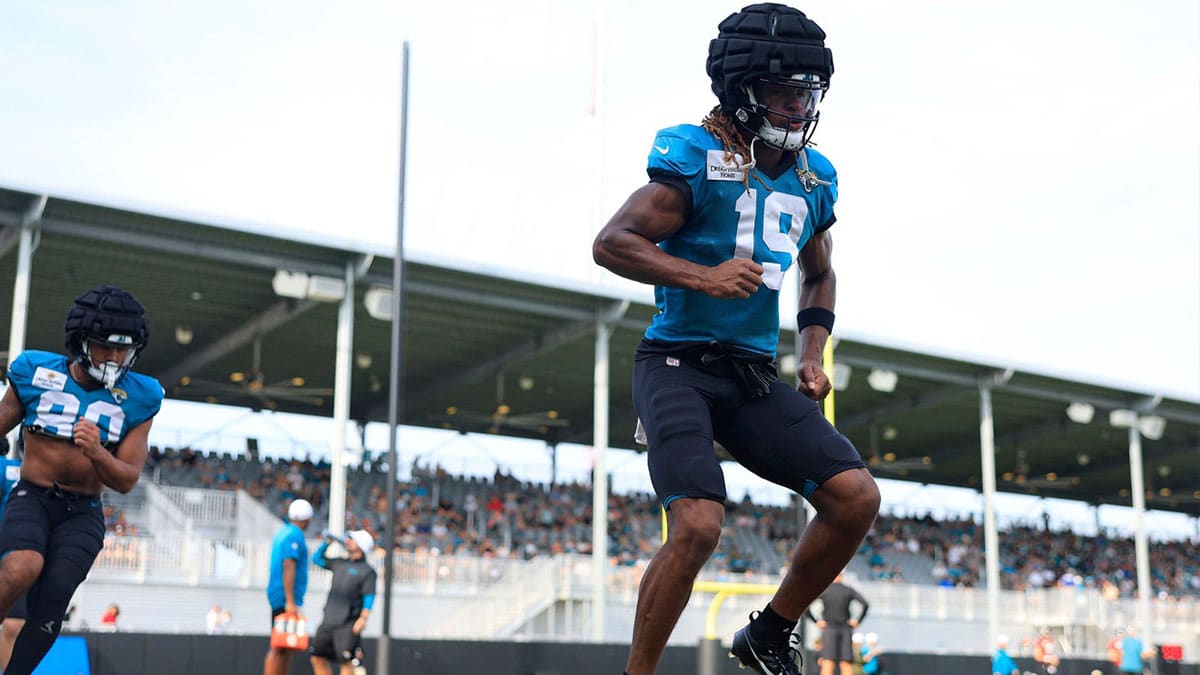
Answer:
[(814, 316)]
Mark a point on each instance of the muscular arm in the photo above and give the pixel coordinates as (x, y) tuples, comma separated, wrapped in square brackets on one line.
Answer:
[(627, 246), (120, 470), (11, 410), (818, 288)]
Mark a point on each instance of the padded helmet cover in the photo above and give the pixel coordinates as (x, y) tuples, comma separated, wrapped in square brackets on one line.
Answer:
[(103, 312), (764, 40)]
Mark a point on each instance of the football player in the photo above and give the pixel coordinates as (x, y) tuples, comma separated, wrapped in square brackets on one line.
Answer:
[(86, 418), (15, 621), (730, 203)]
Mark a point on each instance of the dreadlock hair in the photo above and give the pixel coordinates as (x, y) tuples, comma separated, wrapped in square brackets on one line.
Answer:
[(721, 125), (717, 123)]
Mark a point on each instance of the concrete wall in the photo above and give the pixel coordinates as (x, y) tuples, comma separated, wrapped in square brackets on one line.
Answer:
[(125, 653)]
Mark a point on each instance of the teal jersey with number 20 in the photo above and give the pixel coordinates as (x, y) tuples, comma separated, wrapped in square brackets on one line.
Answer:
[(54, 401), (767, 222)]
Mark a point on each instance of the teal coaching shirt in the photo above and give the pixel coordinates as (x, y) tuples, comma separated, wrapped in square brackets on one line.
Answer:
[(288, 543)]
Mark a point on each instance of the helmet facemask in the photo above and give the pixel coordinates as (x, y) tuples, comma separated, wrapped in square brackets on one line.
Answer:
[(790, 101), (109, 372)]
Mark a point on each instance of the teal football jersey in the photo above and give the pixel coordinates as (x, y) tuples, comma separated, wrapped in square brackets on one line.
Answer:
[(768, 222), (54, 401)]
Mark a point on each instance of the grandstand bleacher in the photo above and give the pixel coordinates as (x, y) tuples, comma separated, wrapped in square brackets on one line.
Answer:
[(469, 546)]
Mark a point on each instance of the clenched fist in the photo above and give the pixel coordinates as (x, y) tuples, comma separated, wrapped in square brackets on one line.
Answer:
[(813, 382), (87, 437), (734, 278)]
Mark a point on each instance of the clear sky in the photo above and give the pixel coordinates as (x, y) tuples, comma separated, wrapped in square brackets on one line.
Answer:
[(1019, 181)]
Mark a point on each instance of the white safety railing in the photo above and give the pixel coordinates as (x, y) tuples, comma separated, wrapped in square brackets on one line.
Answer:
[(214, 510), (547, 597), (161, 514)]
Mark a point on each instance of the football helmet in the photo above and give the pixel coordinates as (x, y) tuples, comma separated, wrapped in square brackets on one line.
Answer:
[(106, 315), (766, 54)]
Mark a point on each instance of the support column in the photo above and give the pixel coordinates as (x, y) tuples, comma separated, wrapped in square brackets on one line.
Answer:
[(1137, 487), (991, 541), (606, 319), (341, 405), (600, 479), (20, 305)]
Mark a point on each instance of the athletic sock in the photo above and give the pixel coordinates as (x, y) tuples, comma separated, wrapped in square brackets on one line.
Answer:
[(31, 645), (770, 626)]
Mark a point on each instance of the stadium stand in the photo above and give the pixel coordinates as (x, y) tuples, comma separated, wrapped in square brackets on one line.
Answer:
[(448, 515), (499, 558)]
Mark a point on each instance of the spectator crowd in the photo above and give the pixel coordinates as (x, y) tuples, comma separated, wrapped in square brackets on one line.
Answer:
[(440, 514)]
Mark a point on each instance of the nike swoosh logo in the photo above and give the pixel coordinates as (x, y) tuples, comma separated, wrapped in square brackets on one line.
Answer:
[(663, 150)]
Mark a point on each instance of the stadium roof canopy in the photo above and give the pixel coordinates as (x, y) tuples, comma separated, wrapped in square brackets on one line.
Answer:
[(488, 351)]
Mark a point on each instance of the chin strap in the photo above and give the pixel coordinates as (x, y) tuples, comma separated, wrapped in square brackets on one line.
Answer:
[(107, 372), (808, 180), (752, 168)]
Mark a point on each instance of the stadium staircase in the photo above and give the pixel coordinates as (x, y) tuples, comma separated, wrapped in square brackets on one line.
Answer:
[(502, 609)]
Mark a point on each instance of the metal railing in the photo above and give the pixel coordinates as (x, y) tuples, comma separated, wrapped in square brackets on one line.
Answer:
[(210, 509), (508, 596)]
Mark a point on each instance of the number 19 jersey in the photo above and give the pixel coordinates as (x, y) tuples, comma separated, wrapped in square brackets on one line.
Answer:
[(767, 220), (54, 401)]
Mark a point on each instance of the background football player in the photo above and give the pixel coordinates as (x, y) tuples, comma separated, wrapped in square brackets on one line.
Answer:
[(86, 418), (15, 621), (729, 205)]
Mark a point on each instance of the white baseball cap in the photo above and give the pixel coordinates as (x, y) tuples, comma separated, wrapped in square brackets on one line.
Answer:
[(300, 510), (364, 540)]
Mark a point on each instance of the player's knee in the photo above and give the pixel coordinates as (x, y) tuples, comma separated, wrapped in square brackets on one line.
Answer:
[(20, 569), (851, 499), (866, 498), (696, 530), (700, 539)]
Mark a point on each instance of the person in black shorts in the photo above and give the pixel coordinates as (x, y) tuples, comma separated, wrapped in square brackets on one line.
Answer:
[(731, 204), (837, 626), (351, 596), (15, 620), (85, 418)]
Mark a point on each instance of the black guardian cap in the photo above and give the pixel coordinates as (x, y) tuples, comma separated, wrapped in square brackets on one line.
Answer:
[(762, 41), (110, 315), (769, 44)]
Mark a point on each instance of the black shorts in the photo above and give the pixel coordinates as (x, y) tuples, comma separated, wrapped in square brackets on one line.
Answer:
[(53, 522), (336, 643), (18, 609), (67, 529), (836, 643), (685, 405)]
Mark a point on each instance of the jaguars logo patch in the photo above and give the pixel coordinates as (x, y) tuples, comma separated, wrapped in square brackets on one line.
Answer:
[(119, 395)]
